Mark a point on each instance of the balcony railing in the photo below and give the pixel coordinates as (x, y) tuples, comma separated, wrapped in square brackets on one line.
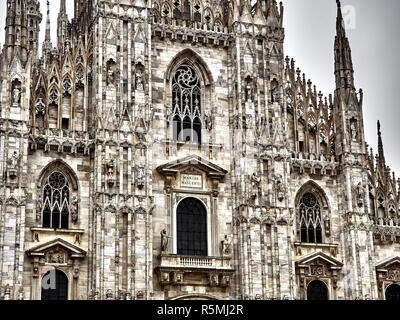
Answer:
[(178, 261)]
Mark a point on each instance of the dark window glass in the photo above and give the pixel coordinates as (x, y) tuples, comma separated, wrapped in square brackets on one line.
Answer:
[(192, 228), (317, 290), (55, 286), (393, 292)]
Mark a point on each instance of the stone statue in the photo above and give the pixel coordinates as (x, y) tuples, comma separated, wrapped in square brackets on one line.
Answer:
[(139, 80), (255, 183), (14, 161), (168, 113), (140, 178), (274, 92), (208, 122), (74, 209), (360, 192), (249, 93), (110, 75), (38, 208), (16, 96), (164, 241), (226, 246), (280, 188), (353, 129)]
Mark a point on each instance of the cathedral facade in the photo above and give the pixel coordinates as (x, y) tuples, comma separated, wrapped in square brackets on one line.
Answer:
[(167, 149)]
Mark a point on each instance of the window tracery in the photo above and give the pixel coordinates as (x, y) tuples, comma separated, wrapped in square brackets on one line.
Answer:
[(310, 219), (56, 199), (186, 101)]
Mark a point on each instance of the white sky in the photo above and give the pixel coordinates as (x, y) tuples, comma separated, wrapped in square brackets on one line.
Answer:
[(310, 30)]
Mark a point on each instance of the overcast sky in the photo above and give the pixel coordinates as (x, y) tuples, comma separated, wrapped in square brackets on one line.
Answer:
[(310, 30)]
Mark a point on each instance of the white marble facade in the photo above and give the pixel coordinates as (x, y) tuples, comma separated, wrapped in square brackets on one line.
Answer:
[(169, 150)]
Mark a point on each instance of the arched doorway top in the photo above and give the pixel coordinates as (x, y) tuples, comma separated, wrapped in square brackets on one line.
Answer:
[(317, 290)]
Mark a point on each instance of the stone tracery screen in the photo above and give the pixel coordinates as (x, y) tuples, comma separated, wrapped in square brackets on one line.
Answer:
[(56, 194), (310, 219), (186, 105)]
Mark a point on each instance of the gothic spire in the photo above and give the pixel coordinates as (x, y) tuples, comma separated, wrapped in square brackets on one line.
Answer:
[(16, 30), (381, 153), (344, 72), (62, 22), (47, 36), (47, 45)]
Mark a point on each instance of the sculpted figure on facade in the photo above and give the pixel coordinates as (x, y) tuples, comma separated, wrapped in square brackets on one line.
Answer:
[(164, 241), (74, 209), (226, 246), (360, 194), (139, 80), (354, 130), (16, 96), (255, 184), (13, 161)]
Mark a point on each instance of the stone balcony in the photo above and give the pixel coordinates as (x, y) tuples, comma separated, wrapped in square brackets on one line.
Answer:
[(386, 230), (194, 270)]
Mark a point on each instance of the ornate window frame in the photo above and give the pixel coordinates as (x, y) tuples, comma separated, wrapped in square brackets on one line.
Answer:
[(324, 209), (191, 59), (61, 167), (204, 201)]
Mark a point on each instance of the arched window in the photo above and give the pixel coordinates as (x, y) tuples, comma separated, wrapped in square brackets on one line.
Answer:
[(191, 222), (186, 102), (310, 219), (317, 290), (393, 292), (55, 286), (56, 199)]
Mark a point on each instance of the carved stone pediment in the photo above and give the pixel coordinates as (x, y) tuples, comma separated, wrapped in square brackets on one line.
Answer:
[(196, 162), (312, 261), (56, 251), (389, 269), (317, 266), (387, 273), (191, 171)]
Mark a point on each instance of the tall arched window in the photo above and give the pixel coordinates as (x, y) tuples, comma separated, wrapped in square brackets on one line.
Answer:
[(55, 286), (317, 290), (186, 105), (56, 199), (191, 222), (310, 219)]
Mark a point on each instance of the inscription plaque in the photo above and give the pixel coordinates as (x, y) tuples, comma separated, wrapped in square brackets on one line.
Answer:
[(191, 181)]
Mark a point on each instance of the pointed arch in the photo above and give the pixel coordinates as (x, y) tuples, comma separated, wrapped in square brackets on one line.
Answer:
[(192, 58), (312, 213), (313, 187), (59, 165)]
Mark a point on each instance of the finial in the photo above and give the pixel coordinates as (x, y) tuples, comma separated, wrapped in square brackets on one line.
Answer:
[(379, 127)]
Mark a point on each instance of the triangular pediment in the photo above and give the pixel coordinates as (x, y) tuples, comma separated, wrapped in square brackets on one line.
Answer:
[(171, 168), (308, 259), (41, 249), (388, 262)]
